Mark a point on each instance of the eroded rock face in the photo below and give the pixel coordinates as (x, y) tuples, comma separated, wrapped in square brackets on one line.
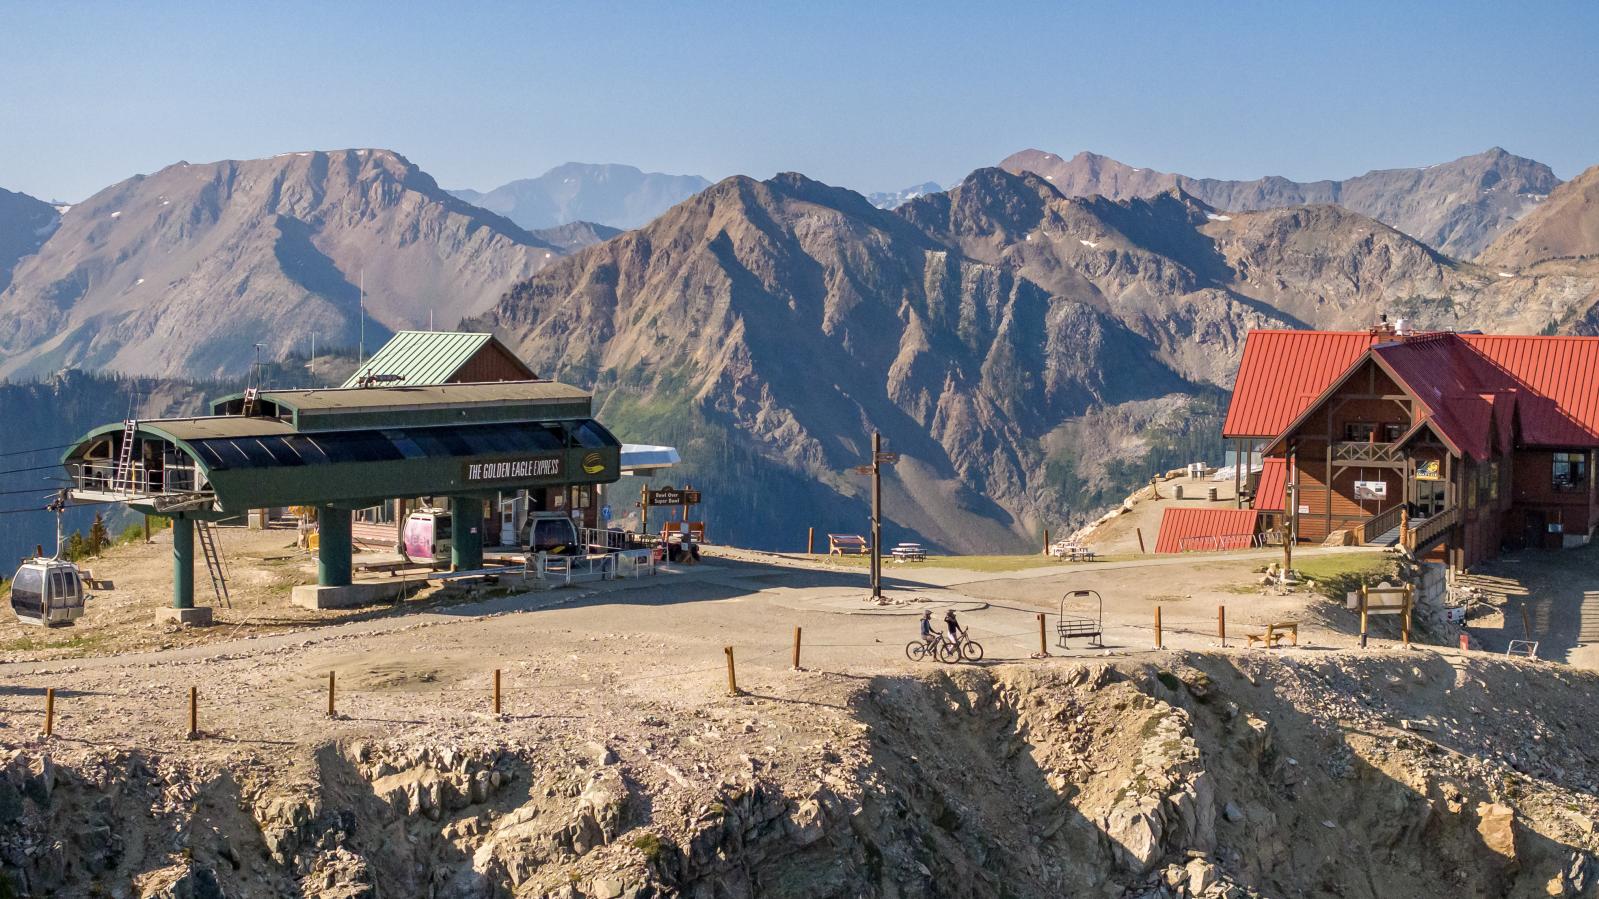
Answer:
[(1232, 776)]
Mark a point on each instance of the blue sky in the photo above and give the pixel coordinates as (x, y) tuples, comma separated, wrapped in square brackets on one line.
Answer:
[(870, 95)]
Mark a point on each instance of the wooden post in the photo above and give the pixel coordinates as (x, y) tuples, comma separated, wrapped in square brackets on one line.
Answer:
[(332, 713), (1140, 532), (1404, 621), (146, 529), (796, 646), (644, 509), (810, 541), (194, 713), (732, 679), (1221, 624), (1526, 623), (1154, 488), (1157, 628), (1362, 616), (496, 691), (1043, 644), (1046, 541), (49, 711)]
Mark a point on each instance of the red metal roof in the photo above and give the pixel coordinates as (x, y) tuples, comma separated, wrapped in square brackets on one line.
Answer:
[(1196, 528), (1282, 373), (1475, 387), (1273, 478), (1558, 381)]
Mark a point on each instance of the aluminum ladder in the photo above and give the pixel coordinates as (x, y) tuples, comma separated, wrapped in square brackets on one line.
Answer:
[(250, 396), (214, 564), (122, 481)]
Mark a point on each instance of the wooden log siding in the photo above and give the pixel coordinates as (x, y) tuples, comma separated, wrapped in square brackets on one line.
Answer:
[(1345, 512)]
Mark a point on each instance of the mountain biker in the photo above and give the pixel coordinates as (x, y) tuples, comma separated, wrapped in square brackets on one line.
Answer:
[(952, 628), (928, 634)]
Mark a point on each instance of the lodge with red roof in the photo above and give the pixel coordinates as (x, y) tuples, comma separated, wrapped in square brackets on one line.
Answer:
[(1455, 445)]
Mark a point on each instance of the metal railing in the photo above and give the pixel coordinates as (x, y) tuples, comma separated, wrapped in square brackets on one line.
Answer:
[(100, 476), (1220, 542)]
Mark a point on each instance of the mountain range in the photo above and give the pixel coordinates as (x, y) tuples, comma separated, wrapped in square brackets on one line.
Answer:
[(25, 224), (1029, 352), (180, 272), (895, 199), (1457, 207), (618, 196)]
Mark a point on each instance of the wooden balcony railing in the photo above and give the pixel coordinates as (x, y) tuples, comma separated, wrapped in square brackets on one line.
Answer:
[(1363, 451)]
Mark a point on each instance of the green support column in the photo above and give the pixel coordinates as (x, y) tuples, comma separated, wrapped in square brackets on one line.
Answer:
[(466, 515), (333, 547), (182, 563)]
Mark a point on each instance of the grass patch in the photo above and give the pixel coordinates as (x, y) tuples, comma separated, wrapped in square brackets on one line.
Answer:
[(650, 845), (1339, 573), (78, 644)]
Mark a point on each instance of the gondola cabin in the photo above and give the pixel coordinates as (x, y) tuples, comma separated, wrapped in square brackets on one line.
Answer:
[(429, 534), (47, 592)]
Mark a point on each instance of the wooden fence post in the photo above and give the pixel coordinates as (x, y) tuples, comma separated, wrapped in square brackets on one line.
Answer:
[(1158, 641), (732, 679), (1046, 541), (194, 713), (1043, 644), (797, 631), (1363, 616), (1140, 532), (332, 686), (1221, 623), (810, 541), (49, 711), (1526, 623), (496, 691)]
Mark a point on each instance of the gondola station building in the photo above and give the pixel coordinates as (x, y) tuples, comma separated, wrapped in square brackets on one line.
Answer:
[(377, 439), (1453, 445)]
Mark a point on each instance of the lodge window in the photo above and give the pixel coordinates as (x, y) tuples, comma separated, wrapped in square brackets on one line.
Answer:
[(1360, 431), (1391, 433), (1571, 471)]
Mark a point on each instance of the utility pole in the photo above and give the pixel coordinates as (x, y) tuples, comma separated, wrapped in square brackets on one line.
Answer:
[(361, 353), (877, 515)]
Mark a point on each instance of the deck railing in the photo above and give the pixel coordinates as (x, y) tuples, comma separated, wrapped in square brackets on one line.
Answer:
[(1363, 451), (1421, 535), (1379, 524)]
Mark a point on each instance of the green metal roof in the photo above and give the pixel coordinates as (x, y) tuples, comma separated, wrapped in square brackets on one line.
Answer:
[(426, 357), (353, 399)]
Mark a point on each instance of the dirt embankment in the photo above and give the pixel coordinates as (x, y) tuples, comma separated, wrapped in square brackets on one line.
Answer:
[(1199, 774)]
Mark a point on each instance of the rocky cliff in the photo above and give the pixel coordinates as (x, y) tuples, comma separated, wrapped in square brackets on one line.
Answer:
[(1197, 775)]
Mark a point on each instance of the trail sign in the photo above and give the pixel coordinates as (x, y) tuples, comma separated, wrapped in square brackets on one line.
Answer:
[(863, 470), (887, 458)]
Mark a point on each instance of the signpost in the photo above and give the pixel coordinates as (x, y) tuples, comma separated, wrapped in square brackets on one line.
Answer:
[(879, 459)]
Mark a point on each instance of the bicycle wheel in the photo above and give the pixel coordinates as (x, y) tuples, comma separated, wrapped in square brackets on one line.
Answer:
[(972, 651), (948, 652), (915, 650)]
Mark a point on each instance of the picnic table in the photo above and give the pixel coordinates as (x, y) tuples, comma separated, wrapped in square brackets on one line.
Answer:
[(1072, 552), (909, 552), (846, 544)]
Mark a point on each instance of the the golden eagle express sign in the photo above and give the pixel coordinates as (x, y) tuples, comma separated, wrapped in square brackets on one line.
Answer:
[(545, 467)]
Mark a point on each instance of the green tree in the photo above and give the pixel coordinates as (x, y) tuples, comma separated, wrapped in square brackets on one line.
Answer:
[(99, 539), (75, 546)]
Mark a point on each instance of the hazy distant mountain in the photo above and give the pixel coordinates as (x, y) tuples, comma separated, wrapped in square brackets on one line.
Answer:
[(620, 196), (895, 199), (25, 224), (1457, 207), (576, 235), (181, 271), (1565, 225)]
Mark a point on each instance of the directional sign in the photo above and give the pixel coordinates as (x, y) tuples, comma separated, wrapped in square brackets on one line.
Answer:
[(888, 458), (863, 470), (605, 512), (671, 496)]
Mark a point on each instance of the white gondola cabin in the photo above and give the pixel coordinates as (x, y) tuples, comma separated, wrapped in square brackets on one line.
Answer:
[(47, 592)]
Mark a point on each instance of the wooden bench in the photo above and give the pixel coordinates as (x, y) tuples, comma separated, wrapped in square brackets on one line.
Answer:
[(847, 544), (1274, 634)]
